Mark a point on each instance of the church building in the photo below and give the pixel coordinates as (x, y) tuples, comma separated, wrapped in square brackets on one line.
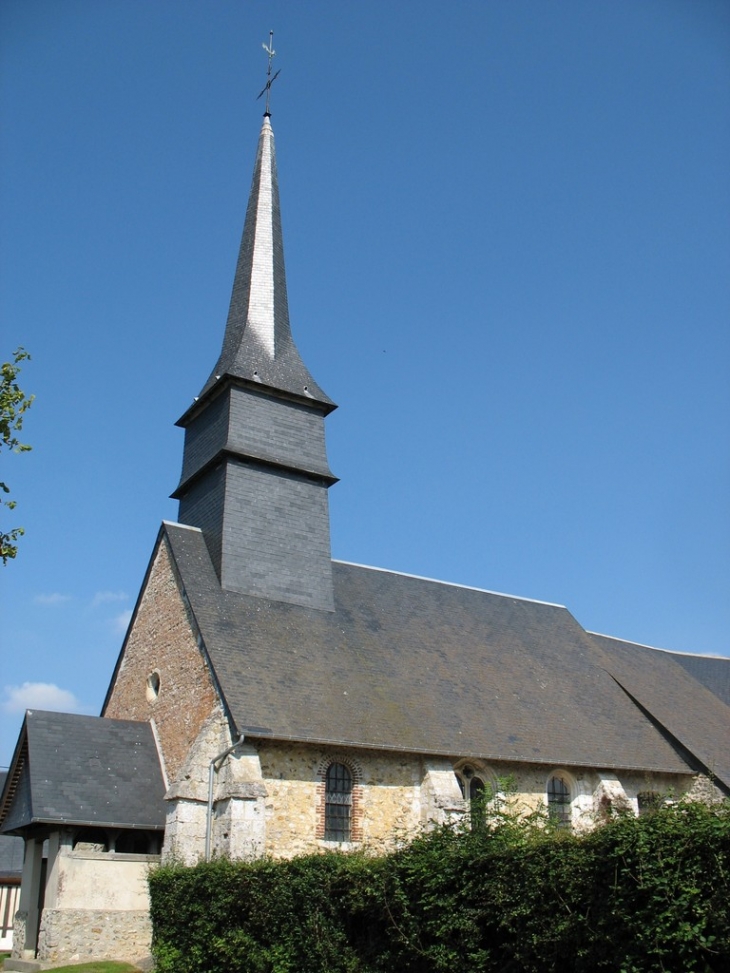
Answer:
[(268, 700)]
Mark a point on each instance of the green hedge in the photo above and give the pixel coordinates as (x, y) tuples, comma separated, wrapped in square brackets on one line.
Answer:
[(635, 895)]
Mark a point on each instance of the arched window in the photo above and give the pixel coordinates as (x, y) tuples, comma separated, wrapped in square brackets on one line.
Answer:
[(474, 790), (470, 783), (559, 802), (338, 803)]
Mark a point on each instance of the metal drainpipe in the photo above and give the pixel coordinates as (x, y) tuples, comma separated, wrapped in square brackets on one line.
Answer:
[(212, 769)]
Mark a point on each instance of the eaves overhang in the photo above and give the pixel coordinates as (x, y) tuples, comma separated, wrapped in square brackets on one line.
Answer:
[(81, 822), (12, 780), (554, 760), (260, 460), (324, 405)]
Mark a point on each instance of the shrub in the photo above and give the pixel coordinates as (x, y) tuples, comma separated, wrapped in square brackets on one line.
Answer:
[(514, 895)]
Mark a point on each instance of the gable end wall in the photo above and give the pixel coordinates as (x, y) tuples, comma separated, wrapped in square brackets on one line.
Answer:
[(162, 640)]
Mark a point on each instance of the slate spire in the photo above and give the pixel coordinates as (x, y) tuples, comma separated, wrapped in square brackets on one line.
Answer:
[(258, 344), (255, 472)]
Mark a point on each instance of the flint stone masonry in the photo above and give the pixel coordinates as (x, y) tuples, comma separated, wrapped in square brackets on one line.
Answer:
[(268, 798), (70, 935), (389, 805), (402, 794), (704, 789), (162, 641)]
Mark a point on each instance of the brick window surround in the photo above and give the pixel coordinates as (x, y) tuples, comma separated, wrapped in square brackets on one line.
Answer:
[(355, 806)]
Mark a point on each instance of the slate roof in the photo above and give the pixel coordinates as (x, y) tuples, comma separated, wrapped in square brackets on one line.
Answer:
[(686, 709), (11, 849), (258, 345), (712, 671), (83, 770), (11, 857), (414, 665)]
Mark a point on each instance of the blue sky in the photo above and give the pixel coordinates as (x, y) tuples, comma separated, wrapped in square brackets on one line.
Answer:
[(507, 232)]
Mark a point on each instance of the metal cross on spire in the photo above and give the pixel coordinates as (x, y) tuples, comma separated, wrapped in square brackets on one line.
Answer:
[(269, 80)]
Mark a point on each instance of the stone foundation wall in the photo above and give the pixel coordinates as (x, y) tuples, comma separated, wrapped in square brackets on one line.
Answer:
[(19, 932), (68, 935)]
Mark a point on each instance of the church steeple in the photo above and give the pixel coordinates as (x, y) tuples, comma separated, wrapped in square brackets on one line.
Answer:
[(258, 345), (255, 472)]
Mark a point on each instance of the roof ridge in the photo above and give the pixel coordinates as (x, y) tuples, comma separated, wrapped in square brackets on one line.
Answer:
[(659, 648), (450, 584)]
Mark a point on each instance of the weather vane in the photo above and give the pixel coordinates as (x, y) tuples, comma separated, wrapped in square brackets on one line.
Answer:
[(269, 80)]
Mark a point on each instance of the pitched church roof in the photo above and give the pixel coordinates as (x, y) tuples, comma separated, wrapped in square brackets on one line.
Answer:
[(83, 770), (410, 664)]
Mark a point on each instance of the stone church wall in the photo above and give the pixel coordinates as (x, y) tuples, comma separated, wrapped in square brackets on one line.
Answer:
[(269, 795), (162, 647), (398, 795), (386, 807)]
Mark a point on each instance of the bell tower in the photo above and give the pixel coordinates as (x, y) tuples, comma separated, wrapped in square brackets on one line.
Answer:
[(255, 473)]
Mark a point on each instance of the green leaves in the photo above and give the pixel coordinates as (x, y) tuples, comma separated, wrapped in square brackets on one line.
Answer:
[(635, 895), (14, 403)]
